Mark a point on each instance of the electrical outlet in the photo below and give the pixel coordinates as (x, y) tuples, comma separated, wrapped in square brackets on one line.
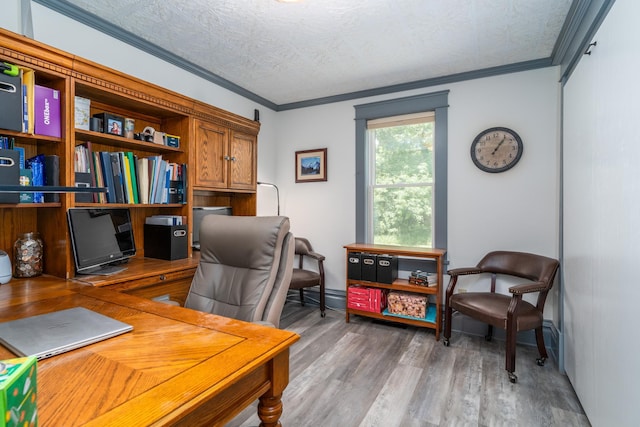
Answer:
[(462, 290)]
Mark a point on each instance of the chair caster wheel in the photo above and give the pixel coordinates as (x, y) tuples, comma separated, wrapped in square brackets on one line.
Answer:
[(541, 361), (322, 314), (513, 378), (445, 342)]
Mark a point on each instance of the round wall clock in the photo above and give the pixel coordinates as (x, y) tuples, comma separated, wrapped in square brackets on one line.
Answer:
[(496, 149)]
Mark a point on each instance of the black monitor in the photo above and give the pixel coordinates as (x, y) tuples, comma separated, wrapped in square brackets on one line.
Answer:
[(102, 239), (200, 212)]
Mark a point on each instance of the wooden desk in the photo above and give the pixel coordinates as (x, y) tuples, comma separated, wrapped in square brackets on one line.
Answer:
[(150, 278), (177, 366)]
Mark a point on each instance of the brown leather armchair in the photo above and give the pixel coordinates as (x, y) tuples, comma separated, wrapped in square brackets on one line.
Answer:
[(305, 278), (511, 313)]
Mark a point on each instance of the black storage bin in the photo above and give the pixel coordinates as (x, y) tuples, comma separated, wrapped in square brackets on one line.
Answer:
[(353, 266), (9, 174), (387, 270), (165, 241), (369, 267), (10, 102)]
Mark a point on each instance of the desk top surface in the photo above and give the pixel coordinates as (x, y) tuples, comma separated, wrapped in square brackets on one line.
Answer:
[(173, 358)]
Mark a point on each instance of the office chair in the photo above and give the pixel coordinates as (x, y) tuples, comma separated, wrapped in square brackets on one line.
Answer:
[(245, 268), (511, 313), (306, 278)]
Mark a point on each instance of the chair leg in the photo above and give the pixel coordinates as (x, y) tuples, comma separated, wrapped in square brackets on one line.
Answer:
[(447, 325), (489, 335), (301, 297), (510, 364), (541, 347), (322, 300)]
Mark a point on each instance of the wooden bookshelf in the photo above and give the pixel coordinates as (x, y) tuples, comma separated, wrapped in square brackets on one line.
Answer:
[(116, 93)]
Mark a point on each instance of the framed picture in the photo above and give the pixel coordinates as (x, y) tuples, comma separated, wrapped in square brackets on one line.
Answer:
[(311, 165), (112, 124)]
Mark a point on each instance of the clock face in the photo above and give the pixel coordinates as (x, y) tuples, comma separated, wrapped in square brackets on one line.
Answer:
[(496, 149)]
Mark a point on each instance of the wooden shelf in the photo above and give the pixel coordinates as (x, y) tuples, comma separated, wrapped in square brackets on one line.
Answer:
[(434, 310), (122, 142), (397, 285), (49, 189)]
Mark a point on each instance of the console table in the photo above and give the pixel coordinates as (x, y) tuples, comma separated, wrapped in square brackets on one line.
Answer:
[(177, 366)]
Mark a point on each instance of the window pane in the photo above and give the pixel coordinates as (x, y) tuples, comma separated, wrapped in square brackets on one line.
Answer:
[(403, 216), (403, 154)]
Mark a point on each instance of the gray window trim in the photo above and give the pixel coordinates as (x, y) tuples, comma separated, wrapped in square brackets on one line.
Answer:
[(436, 101)]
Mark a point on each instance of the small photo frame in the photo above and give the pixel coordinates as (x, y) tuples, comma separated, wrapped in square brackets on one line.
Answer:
[(311, 165), (112, 124)]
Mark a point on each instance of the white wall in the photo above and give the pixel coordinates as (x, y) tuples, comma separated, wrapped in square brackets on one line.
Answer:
[(601, 232), (10, 16), (515, 210)]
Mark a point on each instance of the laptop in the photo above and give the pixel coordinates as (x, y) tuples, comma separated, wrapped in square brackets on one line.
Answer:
[(47, 335)]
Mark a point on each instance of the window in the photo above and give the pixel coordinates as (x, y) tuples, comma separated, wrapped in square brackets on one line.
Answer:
[(400, 180), (401, 171)]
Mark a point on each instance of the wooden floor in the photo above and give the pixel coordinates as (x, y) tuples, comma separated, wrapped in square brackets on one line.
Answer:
[(366, 373)]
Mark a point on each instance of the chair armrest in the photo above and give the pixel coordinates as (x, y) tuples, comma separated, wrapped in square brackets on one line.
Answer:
[(525, 288), (315, 256), (464, 271)]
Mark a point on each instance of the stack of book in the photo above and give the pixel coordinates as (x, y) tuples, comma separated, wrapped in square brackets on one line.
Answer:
[(422, 278), (129, 179)]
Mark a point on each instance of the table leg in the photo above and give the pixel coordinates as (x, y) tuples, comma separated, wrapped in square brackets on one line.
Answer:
[(269, 411), (270, 405)]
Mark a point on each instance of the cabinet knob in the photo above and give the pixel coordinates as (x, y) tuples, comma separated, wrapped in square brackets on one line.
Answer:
[(227, 158), (233, 159), (163, 277)]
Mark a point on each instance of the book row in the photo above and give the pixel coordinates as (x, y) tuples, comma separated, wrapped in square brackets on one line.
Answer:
[(128, 178)]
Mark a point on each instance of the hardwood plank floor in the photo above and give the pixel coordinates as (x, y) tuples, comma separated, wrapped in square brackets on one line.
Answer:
[(367, 373)]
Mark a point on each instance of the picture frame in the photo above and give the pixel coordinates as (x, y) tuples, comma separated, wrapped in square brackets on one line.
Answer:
[(311, 165), (111, 124)]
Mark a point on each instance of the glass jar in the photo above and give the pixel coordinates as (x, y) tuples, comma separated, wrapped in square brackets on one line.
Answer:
[(28, 253)]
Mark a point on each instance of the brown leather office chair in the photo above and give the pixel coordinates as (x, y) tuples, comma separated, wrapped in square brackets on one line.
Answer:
[(245, 268), (511, 313), (304, 277)]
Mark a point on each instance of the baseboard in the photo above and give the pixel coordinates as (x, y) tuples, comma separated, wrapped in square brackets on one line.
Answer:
[(335, 299)]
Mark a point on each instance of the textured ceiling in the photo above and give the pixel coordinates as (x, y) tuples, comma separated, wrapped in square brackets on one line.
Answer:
[(292, 52)]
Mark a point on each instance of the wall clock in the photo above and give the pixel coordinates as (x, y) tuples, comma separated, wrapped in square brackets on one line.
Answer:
[(496, 149)]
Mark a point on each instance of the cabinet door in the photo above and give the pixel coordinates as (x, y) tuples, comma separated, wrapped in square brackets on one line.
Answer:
[(242, 173), (211, 166)]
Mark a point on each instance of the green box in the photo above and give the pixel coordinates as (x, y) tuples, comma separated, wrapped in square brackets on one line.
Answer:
[(18, 392)]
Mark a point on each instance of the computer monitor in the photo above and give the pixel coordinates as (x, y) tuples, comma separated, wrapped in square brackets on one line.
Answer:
[(101, 238), (200, 212)]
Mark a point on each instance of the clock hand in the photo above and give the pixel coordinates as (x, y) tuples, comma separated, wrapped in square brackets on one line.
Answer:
[(498, 146)]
